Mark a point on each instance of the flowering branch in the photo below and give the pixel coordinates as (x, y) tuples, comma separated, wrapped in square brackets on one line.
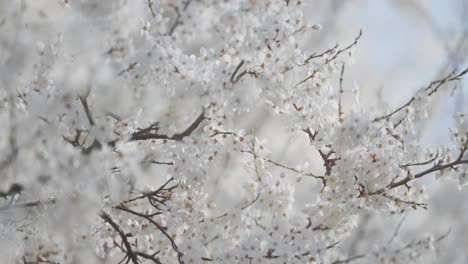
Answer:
[(130, 254), (430, 89), (332, 58), (438, 167), (151, 132)]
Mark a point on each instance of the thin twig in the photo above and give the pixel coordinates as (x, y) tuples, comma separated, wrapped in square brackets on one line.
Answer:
[(430, 89), (397, 229), (233, 75), (178, 18), (340, 95), (315, 55)]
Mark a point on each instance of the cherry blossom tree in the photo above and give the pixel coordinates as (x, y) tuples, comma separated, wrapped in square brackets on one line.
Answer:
[(150, 131)]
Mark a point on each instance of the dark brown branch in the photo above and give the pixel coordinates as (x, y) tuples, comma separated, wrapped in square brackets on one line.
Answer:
[(20, 206), (84, 102), (151, 193), (320, 227), (96, 144), (233, 75), (435, 168), (311, 134), (162, 162), (428, 171), (224, 133), (148, 133), (130, 254), (190, 129), (328, 162), (130, 67), (157, 225), (151, 132), (243, 73), (348, 260)]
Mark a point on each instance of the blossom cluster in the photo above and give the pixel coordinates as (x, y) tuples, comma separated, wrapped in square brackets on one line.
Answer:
[(135, 131)]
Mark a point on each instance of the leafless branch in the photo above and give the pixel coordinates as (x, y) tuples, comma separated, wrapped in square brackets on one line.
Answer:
[(130, 67)]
